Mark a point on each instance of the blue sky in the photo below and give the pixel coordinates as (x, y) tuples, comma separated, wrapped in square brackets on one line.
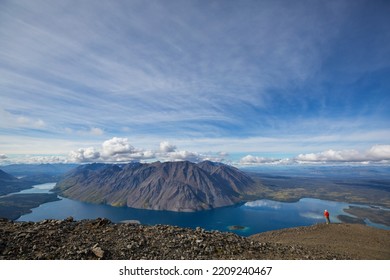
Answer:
[(247, 82)]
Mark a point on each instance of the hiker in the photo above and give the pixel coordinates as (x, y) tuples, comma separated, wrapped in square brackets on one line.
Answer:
[(326, 214)]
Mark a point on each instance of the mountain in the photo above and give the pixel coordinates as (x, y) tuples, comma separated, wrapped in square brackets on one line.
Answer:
[(6, 177), (53, 169), (39, 173), (175, 186), (10, 184)]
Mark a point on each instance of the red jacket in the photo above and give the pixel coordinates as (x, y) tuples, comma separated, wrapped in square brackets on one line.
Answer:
[(326, 214)]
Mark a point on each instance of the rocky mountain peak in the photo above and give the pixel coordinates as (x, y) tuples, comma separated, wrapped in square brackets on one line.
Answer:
[(175, 186)]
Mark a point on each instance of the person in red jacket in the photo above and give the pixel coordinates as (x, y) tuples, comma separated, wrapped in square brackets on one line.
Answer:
[(326, 215)]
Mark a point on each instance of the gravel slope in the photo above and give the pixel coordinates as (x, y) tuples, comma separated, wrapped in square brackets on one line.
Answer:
[(355, 240), (101, 239)]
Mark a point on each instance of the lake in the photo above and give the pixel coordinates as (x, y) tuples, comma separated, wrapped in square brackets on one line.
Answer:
[(249, 218)]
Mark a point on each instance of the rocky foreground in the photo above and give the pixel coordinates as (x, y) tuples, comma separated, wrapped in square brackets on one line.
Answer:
[(101, 239)]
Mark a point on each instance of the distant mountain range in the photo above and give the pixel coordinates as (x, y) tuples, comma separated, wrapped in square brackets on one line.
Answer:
[(175, 186), (53, 169), (10, 184), (33, 174)]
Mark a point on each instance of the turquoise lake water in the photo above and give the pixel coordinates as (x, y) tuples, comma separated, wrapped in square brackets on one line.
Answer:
[(252, 217)]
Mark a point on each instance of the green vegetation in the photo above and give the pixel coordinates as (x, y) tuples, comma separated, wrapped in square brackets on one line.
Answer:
[(351, 220), (291, 189), (14, 206), (375, 215), (350, 190)]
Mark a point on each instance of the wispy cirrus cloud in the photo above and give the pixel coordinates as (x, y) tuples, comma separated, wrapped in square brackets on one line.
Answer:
[(223, 76)]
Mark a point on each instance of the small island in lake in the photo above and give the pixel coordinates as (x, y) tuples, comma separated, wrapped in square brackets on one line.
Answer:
[(237, 227)]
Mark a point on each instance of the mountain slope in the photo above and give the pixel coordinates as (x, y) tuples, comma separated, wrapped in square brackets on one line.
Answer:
[(101, 239), (356, 241), (38, 169), (10, 184), (6, 177), (174, 186)]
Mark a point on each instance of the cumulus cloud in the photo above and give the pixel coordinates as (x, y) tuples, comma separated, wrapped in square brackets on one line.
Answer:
[(30, 159), (331, 156), (84, 155), (379, 152), (116, 146), (249, 159), (44, 159), (3, 156), (120, 150), (166, 147), (169, 152), (253, 160), (185, 155), (376, 154), (113, 150)]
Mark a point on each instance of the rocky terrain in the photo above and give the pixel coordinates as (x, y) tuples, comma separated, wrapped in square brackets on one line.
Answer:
[(354, 240), (101, 239), (176, 186)]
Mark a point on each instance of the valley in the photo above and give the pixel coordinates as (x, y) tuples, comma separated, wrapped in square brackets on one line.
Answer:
[(187, 187)]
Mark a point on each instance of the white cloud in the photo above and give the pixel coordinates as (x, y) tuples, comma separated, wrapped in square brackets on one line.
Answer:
[(184, 155), (166, 147), (331, 156), (376, 154), (91, 59), (20, 120), (169, 152), (254, 160), (116, 145), (33, 159), (84, 155), (120, 150), (113, 150), (379, 152), (249, 159), (46, 159)]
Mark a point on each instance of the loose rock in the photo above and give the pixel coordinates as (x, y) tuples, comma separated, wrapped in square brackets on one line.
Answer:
[(102, 239)]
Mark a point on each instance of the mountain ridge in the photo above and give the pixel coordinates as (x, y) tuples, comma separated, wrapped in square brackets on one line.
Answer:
[(175, 186), (10, 184)]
